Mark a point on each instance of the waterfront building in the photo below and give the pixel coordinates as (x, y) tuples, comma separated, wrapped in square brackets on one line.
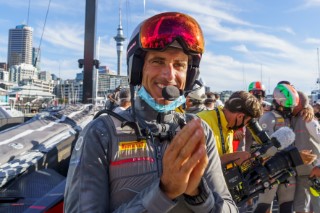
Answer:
[(45, 76), (22, 71), (46, 86), (27, 93), (107, 82), (20, 45), (4, 75), (69, 91)]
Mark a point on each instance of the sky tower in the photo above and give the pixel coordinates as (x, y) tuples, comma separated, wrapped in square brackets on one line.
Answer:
[(119, 39)]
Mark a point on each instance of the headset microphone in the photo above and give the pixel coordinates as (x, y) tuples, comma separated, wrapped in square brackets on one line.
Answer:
[(171, 93)]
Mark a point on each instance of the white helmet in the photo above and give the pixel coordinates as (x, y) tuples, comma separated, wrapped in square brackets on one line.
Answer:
[(198, 94)]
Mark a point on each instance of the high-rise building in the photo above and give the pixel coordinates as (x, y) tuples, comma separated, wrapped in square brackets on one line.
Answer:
[(119, 39), (20, 45)]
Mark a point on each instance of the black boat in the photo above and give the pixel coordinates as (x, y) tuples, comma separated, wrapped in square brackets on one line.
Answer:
[(35, 157)]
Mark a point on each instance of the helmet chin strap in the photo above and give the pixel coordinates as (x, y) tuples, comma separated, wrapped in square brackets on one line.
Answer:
[(196, 82)]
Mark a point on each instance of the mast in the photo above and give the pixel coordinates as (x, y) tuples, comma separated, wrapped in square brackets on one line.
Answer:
[(318, 81), (88, 63), (261, 73), (244, 78)]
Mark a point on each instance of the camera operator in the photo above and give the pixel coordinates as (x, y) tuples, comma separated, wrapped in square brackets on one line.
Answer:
[(285, 98), (307, 138), (113, 98), (258, 90), (114, 170), (237, 111)]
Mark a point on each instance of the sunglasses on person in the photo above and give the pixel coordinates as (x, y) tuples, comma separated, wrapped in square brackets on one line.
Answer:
[(159, 31), (258, 94)]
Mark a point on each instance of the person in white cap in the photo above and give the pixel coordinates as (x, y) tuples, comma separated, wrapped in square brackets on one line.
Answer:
[(195, 100)]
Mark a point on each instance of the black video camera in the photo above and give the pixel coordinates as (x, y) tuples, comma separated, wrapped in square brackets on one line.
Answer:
[(315, 186), (256, 174)]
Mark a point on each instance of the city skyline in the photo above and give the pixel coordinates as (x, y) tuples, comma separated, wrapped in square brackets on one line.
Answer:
[(245, 40)]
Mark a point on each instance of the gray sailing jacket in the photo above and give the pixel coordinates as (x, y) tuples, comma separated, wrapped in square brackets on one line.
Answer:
[(307, 138), (111, 171)]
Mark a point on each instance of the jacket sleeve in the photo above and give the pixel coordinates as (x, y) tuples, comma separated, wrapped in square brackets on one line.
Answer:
[(86, 188), (214, 178), (313, 128)]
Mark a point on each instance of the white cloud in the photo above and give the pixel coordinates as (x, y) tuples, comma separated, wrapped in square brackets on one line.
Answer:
[(312, 3), (315, 41), (63, 35), (205, 9), (307, 4), (241, 48), (288, 30), (226, 73)]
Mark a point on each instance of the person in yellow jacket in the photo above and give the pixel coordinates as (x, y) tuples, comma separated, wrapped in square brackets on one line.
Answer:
[(237, 111)]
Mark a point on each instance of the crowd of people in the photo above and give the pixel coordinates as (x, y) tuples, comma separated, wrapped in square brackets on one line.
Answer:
[(168, 145)]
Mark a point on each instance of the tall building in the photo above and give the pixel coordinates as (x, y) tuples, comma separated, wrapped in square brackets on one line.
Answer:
[(119, 39), (20, 45)]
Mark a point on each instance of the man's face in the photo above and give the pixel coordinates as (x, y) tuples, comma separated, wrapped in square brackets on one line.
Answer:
[(188, 103), (316, 109), (236, 120), (162, 69), (258, 94)]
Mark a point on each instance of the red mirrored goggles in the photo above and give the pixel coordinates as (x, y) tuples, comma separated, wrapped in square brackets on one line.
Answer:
[(159, 31)]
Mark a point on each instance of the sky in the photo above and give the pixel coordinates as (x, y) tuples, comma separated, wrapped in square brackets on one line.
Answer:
[(245, 40)]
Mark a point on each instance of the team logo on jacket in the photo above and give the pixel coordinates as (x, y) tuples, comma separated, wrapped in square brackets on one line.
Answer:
[(264, 126), (132, 145), (133, 151), (79, 143)]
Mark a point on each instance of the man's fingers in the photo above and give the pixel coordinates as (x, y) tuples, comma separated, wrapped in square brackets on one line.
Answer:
[(194, 159), (185, 141)]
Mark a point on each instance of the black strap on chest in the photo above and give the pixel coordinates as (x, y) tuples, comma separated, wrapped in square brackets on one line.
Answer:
[(124, 122), (221, 132)]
